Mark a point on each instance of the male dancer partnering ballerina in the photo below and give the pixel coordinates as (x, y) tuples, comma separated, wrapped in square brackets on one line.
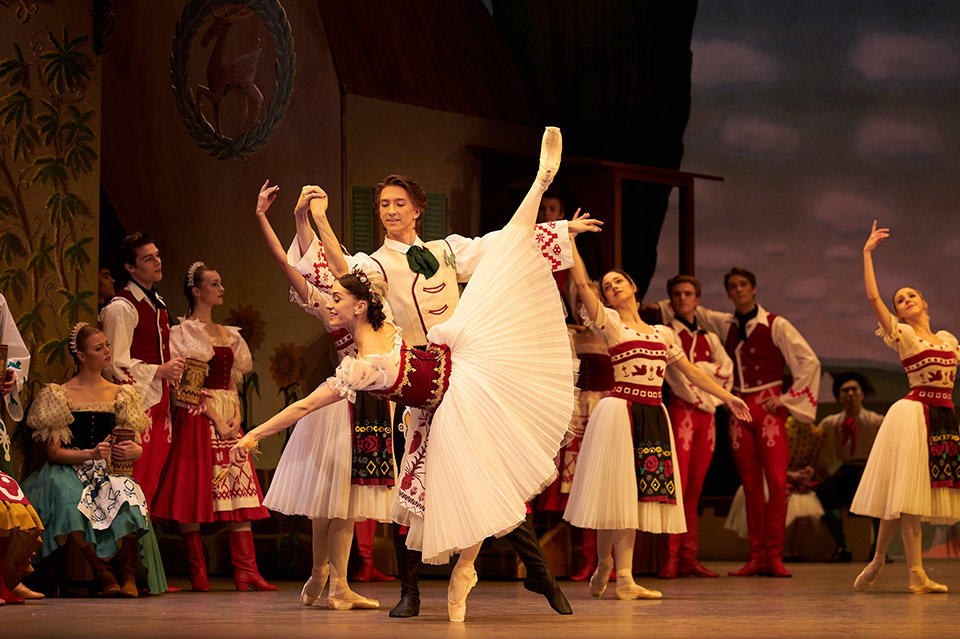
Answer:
[(422, 280)]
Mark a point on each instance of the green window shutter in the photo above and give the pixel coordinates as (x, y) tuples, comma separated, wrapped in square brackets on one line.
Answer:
[(435, 217), (362, 229)]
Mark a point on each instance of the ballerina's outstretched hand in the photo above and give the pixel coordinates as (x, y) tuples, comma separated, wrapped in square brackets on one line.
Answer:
[(583, 223)]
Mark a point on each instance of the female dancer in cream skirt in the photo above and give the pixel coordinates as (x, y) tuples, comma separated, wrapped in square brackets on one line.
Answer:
[(913, 472), (625, 479)]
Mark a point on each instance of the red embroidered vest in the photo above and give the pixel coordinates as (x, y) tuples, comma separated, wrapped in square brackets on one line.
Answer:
[(759, 362), (423, 378), (151, 337), (700, 346)]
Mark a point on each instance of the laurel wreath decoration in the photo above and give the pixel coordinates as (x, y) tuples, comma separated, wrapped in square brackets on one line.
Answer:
[(239, 148)]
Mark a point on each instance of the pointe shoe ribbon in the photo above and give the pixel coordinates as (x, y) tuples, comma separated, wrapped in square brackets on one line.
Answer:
[(457, 607), (867, 576), (601, 577), (313, 588), (920, 583), (551, 148)]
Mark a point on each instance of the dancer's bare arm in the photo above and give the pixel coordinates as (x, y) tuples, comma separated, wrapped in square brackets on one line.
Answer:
[(870, 279), (702, 380), (267, 195)]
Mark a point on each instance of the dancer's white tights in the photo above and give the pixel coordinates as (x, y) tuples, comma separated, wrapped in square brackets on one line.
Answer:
[(622, 541), (331, 543)]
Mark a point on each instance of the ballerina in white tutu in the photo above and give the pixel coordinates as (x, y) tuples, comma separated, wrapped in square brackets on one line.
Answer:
[(324, 472), (625, 479), (503, 354), (913, 472)]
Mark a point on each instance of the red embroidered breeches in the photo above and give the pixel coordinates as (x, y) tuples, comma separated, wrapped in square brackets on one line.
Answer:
[(156, 444), (759, 449), (696, 436)]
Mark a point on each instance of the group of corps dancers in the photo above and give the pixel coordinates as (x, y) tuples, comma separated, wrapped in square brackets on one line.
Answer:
[(447, 412)]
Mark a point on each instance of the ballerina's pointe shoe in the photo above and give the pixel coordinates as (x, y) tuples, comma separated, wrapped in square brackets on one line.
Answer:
[(920, 583), (312, 590), (601, 577), (867, 576), (461, 583), (342, 598), (627, 588), (22, 591), (550, 151)]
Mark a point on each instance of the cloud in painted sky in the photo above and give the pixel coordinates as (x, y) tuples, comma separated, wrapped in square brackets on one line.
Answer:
[(806, 289), (756, 135), (899, 56), (841, 253), (720, 62), (889, 138), (712, 256), (848, 213)]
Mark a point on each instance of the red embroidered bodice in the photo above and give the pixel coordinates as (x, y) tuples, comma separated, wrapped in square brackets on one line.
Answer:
[(151, 337), (221, 365), (423, 377), (638, 369)]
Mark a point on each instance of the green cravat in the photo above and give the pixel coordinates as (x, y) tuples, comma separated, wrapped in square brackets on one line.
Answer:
[(422, 261)]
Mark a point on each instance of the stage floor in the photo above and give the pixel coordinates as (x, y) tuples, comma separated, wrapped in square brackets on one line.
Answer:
[(816, 602)]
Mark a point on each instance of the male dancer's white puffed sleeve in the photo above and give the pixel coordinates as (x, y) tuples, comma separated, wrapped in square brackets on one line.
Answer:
[(552, 238), (119, 320), (716, 322), (801, 398), (313, 264)]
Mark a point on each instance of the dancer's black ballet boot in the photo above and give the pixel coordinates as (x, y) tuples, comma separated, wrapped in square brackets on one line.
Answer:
[(409, 564), (539, 578)]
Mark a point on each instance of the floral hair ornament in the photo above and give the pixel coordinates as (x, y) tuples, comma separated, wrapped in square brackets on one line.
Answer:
[(364, 281), (192, 273), (74, 332)]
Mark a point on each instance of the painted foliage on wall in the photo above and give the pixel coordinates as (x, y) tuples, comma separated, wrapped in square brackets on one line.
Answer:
[(49, 169)]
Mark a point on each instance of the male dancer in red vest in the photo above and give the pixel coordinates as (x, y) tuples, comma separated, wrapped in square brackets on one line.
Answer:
[(136, 325), (692, 418), (760, 344)]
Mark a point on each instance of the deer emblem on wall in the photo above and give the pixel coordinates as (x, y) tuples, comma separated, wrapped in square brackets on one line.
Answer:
[(236, 76)]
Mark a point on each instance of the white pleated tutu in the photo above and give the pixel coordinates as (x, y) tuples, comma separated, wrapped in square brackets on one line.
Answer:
[(313, 474), (897, 477), (604, 491), (495, 435), (800, 505)]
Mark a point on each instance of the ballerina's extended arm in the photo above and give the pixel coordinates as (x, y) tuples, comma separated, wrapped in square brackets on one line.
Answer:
[(702, 380), (870, 279), (331, 245), (324, 395), (589, 299), (267, 195)]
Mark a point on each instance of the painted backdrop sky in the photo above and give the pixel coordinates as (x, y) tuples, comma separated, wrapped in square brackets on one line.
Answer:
[(823, 116)]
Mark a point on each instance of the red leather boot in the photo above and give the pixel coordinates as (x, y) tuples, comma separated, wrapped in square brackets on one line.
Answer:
[(589, 555), (196, 562), (364, 532), (244, 558)]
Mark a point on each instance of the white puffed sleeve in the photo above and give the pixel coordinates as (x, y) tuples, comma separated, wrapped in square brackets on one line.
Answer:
[(553, 240), (242, 357), (607, 324), (128, 407), (801, 398), (119, 320), (190, 339), (50, 415)]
